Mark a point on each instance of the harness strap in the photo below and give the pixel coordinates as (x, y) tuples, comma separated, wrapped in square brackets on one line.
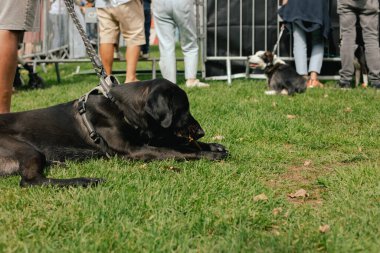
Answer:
[(107, 82), (95, 137)]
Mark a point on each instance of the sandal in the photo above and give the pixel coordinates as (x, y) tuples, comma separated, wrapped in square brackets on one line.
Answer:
[(314, 83)]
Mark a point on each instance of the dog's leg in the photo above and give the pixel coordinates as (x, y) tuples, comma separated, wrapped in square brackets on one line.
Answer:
[(270, 92), (21, 158), (212, 152)]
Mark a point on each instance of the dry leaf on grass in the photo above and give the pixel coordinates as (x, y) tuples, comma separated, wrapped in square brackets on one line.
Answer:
[(324, 228), (218, 138), (348, 109), (172, 168), (301, 193), (275, 230), (307, 163), (260, 197), (277, 211), (290, 116), (143, 166)]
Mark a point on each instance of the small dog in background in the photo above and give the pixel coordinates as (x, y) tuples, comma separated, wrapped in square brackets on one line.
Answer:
[(361, 68), (282, 78)]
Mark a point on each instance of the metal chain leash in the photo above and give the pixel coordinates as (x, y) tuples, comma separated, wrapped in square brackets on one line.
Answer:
[(95, 60), (106, 82)]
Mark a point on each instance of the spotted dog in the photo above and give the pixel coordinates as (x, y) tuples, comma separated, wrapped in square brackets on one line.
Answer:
[(282, 78)]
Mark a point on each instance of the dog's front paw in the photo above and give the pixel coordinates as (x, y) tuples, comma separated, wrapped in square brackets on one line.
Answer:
[(89, 182), (216, 147), (218, 152)]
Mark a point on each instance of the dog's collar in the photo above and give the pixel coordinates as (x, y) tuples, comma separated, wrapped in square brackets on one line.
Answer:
[(95, 137)]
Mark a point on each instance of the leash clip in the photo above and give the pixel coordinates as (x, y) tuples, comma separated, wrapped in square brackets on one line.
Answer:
[(95, 137)]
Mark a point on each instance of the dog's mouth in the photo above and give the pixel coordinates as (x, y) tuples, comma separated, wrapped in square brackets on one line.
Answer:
[(194, 143), (254, 65)]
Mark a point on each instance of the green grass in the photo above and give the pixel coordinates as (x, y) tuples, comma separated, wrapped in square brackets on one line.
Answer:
[(209, 206)]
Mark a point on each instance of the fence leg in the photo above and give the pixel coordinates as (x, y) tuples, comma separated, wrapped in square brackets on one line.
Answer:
[(228, 63), (154, 71), (57, 72), (247, 69)]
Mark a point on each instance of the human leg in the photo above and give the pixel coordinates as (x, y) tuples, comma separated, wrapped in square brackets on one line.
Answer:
[(316, 58), (108, 36), (348, 35), (8, 64), (300, 50), (185, 18), (106, 51), (131, 18), (132, 57), (369, 24), (147, 15), (165, 30)]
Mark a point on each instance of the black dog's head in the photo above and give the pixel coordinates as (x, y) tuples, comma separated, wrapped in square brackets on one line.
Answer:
[(159, 109), (263, 59)]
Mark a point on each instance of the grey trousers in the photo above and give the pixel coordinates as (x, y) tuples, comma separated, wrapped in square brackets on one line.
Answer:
[(169, 14), (366, 11)]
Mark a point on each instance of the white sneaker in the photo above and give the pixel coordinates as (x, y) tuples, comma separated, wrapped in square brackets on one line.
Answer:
[(196, 83)]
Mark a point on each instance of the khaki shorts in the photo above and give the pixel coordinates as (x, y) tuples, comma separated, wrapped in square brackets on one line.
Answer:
[(19, 15), (127, 19)]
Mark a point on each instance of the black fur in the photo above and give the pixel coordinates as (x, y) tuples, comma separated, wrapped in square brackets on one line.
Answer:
[(151, 120)]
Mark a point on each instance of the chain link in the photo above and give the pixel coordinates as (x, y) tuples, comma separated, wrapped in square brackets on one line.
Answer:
[(95, 60)]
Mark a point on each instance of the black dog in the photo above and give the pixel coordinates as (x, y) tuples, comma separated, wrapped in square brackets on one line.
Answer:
[(282, 78), (143, 120)]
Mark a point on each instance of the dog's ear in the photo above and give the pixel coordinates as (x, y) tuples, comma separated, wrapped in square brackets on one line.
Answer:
[(159, 109), (268, 57)]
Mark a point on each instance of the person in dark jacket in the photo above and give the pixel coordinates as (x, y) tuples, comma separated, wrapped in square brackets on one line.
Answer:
[(308, 16), (366, 11)]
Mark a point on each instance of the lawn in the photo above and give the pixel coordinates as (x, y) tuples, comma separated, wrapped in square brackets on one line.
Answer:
[(326, 142)]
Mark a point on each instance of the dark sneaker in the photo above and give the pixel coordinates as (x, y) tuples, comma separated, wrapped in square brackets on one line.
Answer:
[(35, 81), (345, 85), (376, 85), (18, 82)]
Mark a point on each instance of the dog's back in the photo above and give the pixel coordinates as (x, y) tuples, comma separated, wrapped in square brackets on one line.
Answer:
[(286, 78)]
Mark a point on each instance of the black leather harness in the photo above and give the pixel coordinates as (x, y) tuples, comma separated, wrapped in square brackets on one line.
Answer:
[(95, 136)]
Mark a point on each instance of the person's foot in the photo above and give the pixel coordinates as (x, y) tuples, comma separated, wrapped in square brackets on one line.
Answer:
[(344, 84), (196, 83), (314, 83)]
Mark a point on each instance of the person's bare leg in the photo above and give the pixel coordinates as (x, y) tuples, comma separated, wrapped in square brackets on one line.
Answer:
[(132, 56), (8, 64), (106, 54)]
